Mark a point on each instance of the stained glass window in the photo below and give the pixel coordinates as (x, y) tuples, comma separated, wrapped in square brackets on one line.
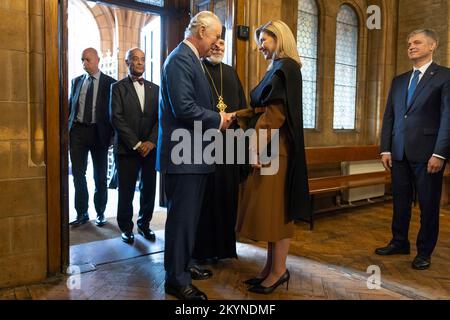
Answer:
[(307, 39), (345, 77), (159, 3), (220, 9)]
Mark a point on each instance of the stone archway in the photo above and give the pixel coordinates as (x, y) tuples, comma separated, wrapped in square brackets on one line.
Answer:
[(83, 32)]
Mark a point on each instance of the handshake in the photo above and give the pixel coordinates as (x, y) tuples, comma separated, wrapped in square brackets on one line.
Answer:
[(227, 119)]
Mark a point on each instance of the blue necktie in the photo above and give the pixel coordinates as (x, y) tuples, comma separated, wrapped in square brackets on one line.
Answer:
[(413, 86)]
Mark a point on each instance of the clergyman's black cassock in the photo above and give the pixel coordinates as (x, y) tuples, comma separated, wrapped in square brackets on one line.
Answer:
[(216, 227)]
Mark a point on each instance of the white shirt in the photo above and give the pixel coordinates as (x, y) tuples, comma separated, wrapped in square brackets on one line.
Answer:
[(140, 90)]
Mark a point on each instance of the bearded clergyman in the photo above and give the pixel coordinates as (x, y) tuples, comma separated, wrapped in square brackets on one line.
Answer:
[(216, 228)]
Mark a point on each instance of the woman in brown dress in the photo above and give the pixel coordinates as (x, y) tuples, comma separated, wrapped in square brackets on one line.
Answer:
[(269, 204)]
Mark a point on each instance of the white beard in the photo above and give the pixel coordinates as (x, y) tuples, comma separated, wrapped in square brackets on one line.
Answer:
[(215, 58)]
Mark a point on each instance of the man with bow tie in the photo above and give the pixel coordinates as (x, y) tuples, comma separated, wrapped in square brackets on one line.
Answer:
[(134, 116), (415, 144)]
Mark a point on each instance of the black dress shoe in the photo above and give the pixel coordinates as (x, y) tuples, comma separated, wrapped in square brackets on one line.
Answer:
[(189, 292), (81, 219), (147, 234), (391, 249), (421, 263), (127, 237), (254, 281), (198, 273), (267, 290), (100, 221)]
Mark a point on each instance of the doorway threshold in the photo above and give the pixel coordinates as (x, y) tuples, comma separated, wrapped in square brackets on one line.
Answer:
[(87, 256)]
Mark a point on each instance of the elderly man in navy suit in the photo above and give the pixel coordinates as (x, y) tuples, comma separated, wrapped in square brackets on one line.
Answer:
[(185, 102), (415, 144)]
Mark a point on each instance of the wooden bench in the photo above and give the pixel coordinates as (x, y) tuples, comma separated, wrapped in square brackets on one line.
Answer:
[(335, 155)]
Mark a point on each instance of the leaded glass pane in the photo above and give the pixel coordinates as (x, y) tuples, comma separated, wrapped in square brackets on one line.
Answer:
[(308, 6), (159, 3), (220, 9), (307, 36), (345, 69)]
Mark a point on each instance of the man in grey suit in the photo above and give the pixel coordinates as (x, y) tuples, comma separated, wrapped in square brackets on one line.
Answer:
[(134, 116), (186, 98)]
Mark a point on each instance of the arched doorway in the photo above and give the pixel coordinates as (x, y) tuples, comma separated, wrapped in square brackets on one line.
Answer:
[(83, 32), (112, 30)]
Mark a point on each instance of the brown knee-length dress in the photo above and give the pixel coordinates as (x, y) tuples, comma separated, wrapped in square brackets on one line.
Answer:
[(262, 213)]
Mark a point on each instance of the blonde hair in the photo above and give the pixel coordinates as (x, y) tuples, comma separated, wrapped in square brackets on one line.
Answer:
[(286, 46), (201, 19)]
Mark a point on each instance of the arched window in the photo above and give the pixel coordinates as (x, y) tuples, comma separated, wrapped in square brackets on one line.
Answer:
[(151, 43), (83, 33), (345, 76), (307, 39)]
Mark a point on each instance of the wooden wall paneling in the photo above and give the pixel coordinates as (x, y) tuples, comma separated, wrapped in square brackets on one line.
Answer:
[(52, 131)]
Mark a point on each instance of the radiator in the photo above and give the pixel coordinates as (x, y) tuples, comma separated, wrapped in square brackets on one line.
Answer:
[(355, 167)]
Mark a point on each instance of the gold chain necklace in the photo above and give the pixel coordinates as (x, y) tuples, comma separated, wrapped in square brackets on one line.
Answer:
[(220, 104)]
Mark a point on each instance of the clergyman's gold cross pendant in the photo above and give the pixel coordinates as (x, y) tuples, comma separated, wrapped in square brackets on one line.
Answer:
[(221, 105)]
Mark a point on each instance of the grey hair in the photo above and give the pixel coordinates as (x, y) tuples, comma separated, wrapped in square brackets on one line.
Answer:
[(129, 53), (430, 33), (201, 19)]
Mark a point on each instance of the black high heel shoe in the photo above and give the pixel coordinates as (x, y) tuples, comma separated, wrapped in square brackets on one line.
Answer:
[(267, 290), (254, 281)]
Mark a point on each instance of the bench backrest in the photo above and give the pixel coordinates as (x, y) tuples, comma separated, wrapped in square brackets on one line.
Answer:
[(330, 155)]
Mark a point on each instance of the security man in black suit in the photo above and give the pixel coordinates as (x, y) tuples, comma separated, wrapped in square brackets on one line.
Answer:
[(90, 131), (134, 116)]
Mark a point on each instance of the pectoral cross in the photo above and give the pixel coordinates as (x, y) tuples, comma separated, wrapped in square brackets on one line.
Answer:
[(221, 105)]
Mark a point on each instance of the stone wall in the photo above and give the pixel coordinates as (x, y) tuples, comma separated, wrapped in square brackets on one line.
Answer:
[(376, 63), (23, 217), (413, 15)]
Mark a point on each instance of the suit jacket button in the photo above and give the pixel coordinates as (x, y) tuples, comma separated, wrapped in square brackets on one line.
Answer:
[(406, 116)]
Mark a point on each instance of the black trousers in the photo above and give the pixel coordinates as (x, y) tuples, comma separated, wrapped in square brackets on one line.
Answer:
[(184, 203), (84, 139), (129, 168), (407, 177)]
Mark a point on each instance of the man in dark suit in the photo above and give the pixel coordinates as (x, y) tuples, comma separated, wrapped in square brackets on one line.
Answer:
[(90, 131), (415, 143), (134, 115), (186, 101)]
